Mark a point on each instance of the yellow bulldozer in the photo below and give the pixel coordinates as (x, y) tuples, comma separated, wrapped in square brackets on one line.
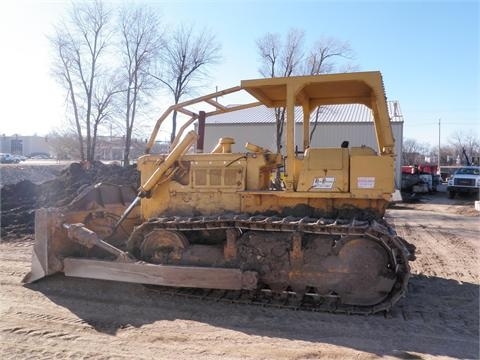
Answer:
[(213, 220)]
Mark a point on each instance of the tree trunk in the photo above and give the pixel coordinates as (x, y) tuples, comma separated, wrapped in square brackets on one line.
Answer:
[(174, 125), (77, 117), (126, 151), (314, 127), (128, 131), (94, 141)]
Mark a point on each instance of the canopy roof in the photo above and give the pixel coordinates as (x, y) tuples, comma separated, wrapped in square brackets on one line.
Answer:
[(306, 91), (329, 89)]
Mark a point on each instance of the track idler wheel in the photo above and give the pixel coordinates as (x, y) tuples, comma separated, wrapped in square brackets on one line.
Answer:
[(163, 247)]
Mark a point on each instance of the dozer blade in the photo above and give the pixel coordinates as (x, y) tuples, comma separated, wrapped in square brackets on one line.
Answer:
[(63, 244), (43, 262), (37, 271), (98, 207), (54, 245), (164, 275)]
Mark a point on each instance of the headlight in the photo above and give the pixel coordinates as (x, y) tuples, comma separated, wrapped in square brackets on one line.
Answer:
[(477, 182), (450, 182)]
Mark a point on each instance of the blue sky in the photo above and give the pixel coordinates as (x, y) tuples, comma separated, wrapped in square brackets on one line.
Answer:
[(428, 52)]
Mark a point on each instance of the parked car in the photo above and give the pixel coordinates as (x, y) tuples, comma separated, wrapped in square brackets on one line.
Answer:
[(41, 156), (6, 158), (19, 157), (464, 180)]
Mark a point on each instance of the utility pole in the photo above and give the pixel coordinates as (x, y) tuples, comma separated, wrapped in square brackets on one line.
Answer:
[(439, 146)]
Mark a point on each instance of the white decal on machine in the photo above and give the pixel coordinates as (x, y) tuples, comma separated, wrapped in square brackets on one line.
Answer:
[(323, 183), (364, 182)]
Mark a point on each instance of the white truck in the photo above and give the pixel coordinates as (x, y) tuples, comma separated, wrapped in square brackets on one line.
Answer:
[(464, 180)]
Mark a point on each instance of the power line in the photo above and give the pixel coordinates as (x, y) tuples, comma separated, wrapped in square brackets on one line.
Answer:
[(435, 123)]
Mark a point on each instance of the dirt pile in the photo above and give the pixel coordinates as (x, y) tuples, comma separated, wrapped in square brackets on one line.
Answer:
[(36, 173), (20, 200)]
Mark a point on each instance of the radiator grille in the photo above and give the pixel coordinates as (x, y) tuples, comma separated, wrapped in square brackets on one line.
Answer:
[(215, 177), (464, 182), (231, 177), (225, 177), (200, 177)]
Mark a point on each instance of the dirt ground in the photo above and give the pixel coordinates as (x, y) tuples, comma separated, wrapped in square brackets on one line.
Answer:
[(72, 318)]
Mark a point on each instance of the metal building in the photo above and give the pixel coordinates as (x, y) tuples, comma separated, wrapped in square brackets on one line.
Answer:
[(25, 145), (334, 124)]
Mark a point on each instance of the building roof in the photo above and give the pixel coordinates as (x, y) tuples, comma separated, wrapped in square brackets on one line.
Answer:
[(345, 113)]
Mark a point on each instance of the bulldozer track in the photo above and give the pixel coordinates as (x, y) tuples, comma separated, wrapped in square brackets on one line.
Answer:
[(397, 248)]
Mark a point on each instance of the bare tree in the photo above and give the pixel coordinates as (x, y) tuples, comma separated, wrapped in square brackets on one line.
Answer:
[(280, 59), (414, 152), (447, 153), (61, 69), (141, 42), (185, 62), (321, 60), (324, 56), (269, 48), (288, 58), (64, 144), (465, 144), (80, 46), (102, 108)]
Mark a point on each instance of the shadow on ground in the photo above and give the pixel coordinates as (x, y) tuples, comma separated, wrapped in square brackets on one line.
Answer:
[(438, 317)]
